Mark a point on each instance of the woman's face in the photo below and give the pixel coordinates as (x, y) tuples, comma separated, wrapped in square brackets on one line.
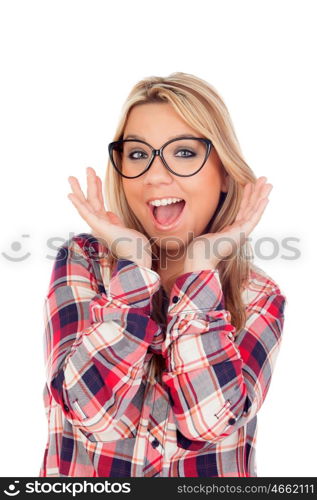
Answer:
[(156, 123)]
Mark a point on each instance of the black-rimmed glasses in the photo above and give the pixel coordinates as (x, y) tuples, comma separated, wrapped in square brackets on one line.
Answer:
[(183, 156)]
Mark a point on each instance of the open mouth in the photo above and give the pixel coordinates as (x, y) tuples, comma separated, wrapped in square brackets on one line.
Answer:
[(167, 216)]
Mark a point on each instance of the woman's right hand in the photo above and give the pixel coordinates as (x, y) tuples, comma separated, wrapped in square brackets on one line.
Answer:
[(123, 242)]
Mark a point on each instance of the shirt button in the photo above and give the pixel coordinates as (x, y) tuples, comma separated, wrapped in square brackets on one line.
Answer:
[(175, 299), (155, 443), (231, 421), (66, 408)]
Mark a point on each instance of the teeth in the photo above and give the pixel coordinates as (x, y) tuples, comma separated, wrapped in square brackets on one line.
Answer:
[(165, 201)]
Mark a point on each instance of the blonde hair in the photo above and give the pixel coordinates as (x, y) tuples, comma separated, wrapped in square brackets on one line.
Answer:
[(201, 106)]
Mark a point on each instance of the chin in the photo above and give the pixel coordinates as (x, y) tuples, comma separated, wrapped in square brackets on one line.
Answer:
[(172, 243)]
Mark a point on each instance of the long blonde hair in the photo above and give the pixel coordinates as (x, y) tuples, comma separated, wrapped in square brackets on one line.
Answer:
[(200, 105)]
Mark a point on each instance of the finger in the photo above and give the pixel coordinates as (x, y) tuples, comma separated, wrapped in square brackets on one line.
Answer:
[(78, 193), (264, 194), (76, 188), (86, 213), (245, 200), (254, 219), (92, 192), (262, 205), (247, 224), (99, 190), (258, 192)]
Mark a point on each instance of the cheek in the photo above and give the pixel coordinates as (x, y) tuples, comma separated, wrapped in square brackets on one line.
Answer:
[(132, 193), (204, 201), (205, 190)]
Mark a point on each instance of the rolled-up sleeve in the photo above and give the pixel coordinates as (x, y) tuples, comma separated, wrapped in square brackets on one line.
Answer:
[(95, 343), (218, 381)]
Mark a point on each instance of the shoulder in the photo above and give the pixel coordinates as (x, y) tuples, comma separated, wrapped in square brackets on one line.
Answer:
[(260, 284)]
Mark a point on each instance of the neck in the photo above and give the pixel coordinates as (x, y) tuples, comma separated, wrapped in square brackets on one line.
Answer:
[(169, 269)]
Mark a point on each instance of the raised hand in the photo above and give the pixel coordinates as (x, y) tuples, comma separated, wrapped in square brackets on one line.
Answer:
[(124, 243), (206, 251)]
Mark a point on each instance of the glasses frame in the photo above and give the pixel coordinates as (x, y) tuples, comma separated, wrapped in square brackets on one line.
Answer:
[(159, 152)]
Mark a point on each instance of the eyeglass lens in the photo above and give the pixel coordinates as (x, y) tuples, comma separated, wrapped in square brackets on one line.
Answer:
[(183, 156)]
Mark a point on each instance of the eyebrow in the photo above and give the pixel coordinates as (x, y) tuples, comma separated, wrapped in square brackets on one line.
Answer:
[(132, 136)]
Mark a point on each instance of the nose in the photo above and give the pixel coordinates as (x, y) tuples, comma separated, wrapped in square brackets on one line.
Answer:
[(157, 171)]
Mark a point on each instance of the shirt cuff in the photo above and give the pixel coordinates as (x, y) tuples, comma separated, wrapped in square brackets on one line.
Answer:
[(196, 292), (131, 286), (197, 314)]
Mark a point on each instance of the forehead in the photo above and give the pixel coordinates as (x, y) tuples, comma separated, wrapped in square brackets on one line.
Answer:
[(156, 121)]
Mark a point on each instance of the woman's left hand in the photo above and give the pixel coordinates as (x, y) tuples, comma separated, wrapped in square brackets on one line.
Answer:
[(206, 251)]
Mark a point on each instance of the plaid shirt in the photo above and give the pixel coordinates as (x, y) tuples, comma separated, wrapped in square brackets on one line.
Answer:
[(108, 415)]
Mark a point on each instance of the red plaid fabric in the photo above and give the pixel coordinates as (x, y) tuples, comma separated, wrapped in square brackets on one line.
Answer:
[(108, 415)]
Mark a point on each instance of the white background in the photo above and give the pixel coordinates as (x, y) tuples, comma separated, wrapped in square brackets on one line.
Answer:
[(67, 67)]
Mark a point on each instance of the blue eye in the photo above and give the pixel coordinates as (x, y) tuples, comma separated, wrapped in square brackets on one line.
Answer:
[(187, 156), (132, 157)]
